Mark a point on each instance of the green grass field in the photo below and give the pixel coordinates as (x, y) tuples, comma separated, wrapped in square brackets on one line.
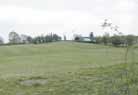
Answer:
[(68, 68)]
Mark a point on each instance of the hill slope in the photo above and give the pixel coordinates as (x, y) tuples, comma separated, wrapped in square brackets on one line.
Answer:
[(68, 69)]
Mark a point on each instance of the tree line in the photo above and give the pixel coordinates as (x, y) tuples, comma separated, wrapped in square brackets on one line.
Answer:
[(117, 40), (106, 39), (15, 38)]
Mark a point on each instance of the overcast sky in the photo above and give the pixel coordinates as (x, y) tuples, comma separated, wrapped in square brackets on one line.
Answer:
[(36, 17)]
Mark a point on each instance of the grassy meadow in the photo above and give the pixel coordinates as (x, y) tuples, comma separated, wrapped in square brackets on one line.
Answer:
[(67, 68)]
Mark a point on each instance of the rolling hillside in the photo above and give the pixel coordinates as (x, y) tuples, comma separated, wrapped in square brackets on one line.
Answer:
[(65, 68)]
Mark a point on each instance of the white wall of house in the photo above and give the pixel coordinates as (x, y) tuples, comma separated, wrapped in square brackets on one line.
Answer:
[(86, 39)]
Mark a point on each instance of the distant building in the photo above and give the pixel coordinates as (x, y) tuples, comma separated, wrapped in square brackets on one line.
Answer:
[(91, 38), (88, 39)]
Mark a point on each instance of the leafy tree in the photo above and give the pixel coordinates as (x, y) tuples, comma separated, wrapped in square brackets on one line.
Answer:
[(117, 40), (14, 38), (44, 39), (1, 41), (48, 38), (91, 36), (99, 40), (77, 37), (25, 39), (130, 39), (65, 38), (55, 37), (29, 39), (93, 40), (127, 40), (106, 38)]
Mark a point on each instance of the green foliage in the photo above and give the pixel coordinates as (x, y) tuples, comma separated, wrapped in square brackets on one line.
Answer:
[(47, 38), (14, 38), (77, 38), (106, 38), (25, 39), (92, 36), (1, 41), (130, 39), (99, 40), (117, 40)]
